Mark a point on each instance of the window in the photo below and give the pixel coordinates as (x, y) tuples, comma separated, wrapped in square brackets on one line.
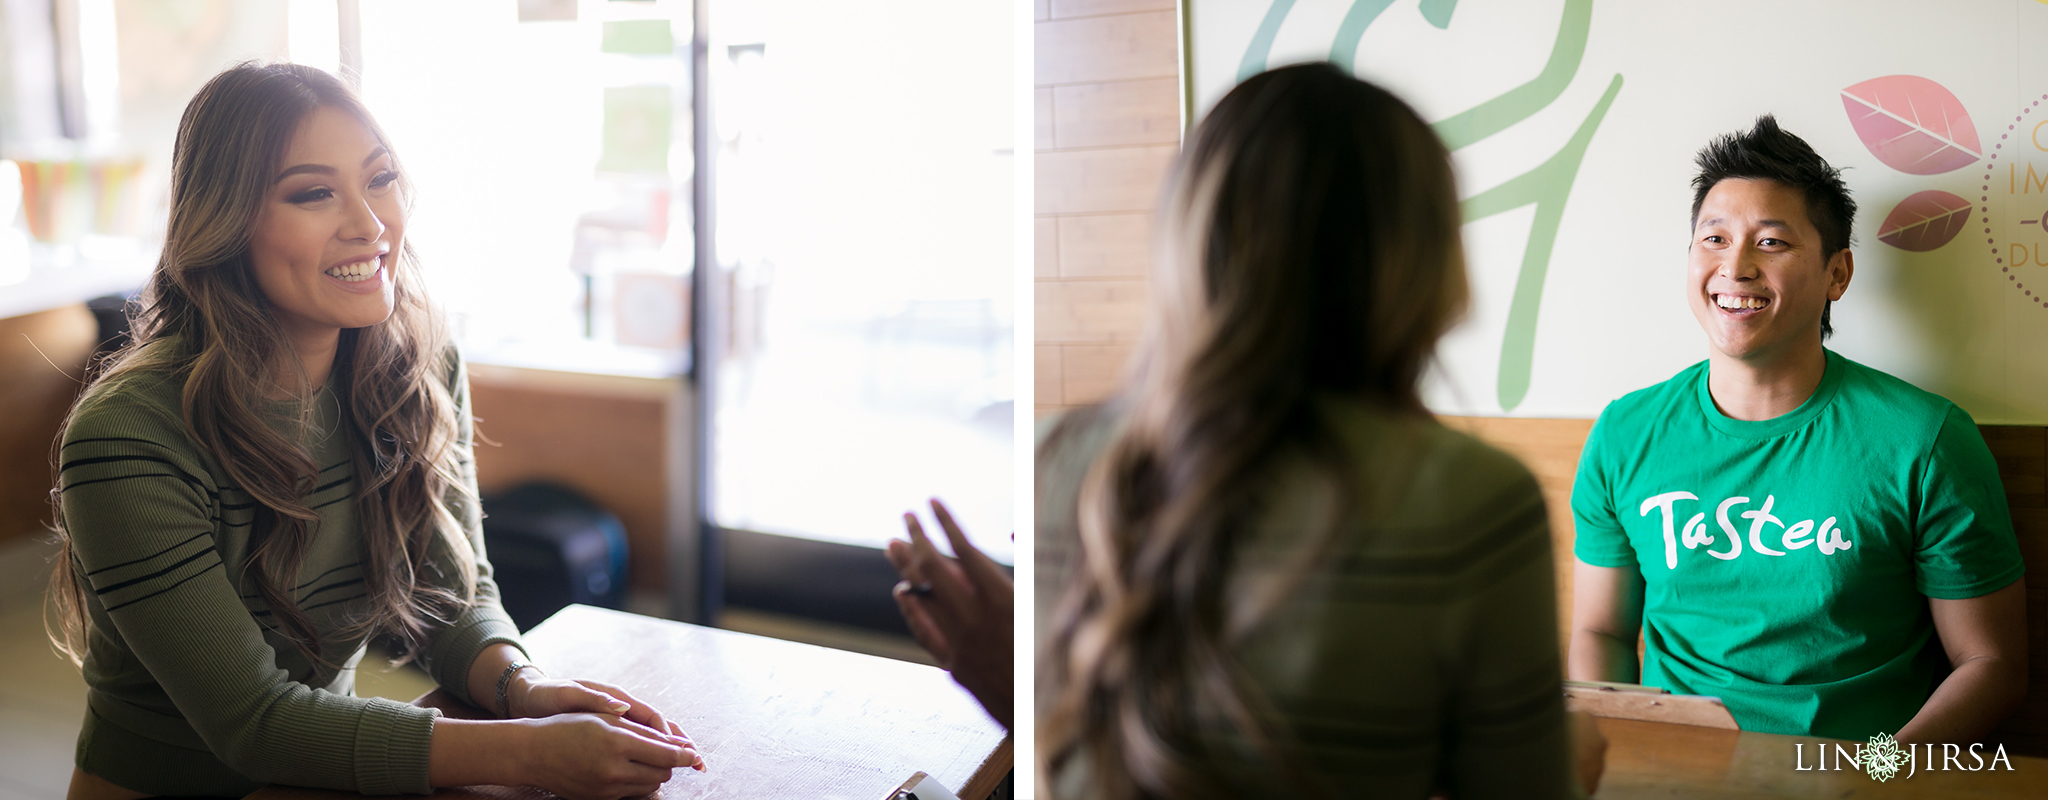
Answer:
[(550, 147), (858, 332), (864, 214)]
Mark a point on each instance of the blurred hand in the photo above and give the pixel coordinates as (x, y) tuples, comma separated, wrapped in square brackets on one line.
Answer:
[(583, 756), (1589, 749), (959, 610), (547, 697)]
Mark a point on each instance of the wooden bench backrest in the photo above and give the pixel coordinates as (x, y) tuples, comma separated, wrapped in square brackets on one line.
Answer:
[(1550, 448)]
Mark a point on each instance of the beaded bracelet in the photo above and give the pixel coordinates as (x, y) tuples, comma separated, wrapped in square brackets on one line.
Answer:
[(505, 680)]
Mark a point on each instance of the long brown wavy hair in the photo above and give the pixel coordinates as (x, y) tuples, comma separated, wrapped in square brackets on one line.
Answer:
[(1310, 248), (203, 321)]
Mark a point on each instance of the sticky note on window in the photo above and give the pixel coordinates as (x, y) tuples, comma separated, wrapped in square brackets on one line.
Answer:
[(636, 129), (640, 37), (547, 10)]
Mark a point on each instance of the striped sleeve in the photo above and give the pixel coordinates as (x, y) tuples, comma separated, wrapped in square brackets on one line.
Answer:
[(1507, 735), (454, 648), (141, 514)]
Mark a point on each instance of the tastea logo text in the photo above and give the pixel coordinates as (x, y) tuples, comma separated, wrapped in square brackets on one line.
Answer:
[(1827, 539), (1884, 758)]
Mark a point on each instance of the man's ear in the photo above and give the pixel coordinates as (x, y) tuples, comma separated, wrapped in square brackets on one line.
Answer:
[(1841, 268)]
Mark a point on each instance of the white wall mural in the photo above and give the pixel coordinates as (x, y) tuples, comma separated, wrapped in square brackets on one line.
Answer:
[(1574, 125)]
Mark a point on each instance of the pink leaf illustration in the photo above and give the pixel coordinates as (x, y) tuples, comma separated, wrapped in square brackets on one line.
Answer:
[(1912, 124), (1924, 221)]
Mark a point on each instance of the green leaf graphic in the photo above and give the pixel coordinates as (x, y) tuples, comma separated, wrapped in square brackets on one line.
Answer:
[(1476, 123), (1438, 12), (1522, 102), (1548, 186), (1360, 17), (1261, 47)]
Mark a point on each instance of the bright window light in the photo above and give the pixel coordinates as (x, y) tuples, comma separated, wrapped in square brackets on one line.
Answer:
[(864, 207), (553, 179), (313, 34)]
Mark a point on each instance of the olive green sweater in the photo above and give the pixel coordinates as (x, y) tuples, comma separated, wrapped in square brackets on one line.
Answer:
[(1418, 653), (191, 688)]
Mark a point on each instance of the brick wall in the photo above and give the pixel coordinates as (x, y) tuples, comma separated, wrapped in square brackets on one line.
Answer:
[(1108, 124)]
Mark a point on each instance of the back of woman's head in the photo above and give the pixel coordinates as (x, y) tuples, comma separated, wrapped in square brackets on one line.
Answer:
[(1310, 241), (205, 323), (1309, 248)]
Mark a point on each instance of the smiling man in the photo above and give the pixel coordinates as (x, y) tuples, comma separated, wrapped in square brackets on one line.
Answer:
[(1809, 539)]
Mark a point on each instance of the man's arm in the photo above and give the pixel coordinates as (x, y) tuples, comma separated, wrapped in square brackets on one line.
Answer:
[(1986, 641), (1607, 618)]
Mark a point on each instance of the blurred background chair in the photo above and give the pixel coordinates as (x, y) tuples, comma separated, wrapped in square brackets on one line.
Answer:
[(550, 547)]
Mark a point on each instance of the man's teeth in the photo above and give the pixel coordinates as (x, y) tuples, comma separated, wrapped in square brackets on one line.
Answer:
[(354, 272), (1731, 302)]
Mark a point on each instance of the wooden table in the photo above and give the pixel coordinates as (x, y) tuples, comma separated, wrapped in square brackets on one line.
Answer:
[(1654, 759), (773, 719)]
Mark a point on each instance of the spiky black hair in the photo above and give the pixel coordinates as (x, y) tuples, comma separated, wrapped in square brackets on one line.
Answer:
[(1768, 152)]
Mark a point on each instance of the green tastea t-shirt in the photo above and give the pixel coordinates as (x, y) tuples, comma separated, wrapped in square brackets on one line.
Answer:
[(1787, 563)]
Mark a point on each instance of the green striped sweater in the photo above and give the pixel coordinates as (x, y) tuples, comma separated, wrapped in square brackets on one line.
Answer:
[(191, 688), (1417, 654)]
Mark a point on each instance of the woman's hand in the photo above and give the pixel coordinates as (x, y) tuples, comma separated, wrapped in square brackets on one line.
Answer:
[(584, 756), (548, 697), (960, 610)]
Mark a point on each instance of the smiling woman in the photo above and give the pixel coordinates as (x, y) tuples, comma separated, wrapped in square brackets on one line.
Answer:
[(327, 229), (278, 467)]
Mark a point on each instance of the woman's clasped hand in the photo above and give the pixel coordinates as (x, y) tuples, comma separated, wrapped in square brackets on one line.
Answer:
[(580, 739), (595, 740), (548, 697), (602, 756)]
